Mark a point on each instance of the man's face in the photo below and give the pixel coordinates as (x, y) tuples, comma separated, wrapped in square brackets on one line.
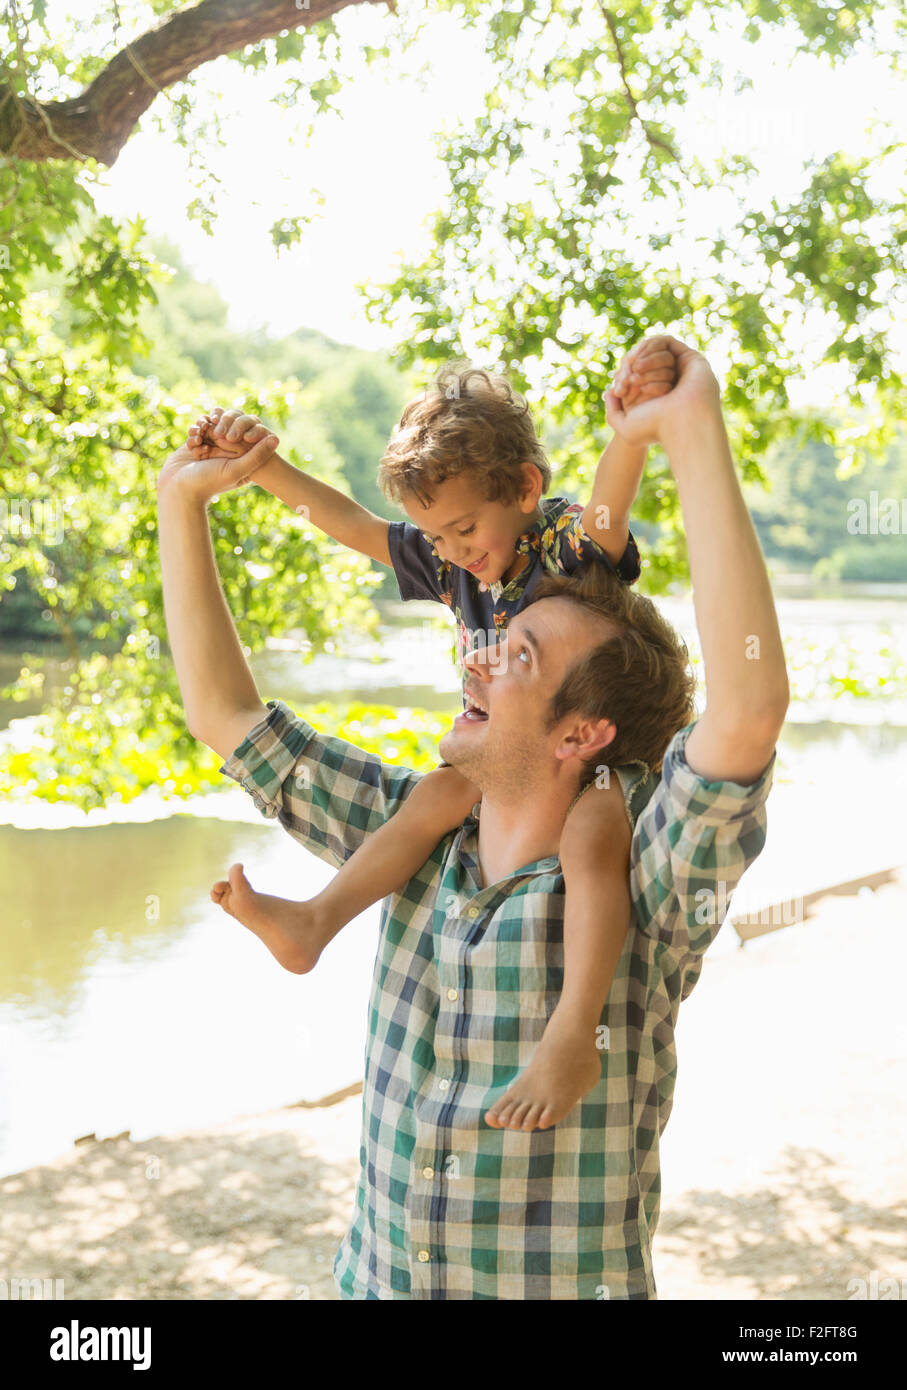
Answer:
[(469, 531), (504, 746)]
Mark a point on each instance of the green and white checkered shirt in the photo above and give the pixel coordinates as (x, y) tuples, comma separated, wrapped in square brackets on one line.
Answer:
[(465, 979)]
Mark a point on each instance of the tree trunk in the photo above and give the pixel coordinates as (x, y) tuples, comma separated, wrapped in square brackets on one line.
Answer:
[(97, 123)]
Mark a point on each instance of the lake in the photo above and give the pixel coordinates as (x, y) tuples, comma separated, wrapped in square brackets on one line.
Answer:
[(129, 1001)]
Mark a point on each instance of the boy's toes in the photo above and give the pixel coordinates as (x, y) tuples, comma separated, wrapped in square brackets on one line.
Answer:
[(500, 1112), (238, 881), (223, 896), (525, 1115)]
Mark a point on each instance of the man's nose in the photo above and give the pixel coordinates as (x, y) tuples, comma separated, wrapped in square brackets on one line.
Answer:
[(485, 659)]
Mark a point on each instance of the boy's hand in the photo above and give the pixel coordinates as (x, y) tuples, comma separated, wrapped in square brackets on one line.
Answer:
[(664, 419), (204, 470), (646, 371), (223, 432)]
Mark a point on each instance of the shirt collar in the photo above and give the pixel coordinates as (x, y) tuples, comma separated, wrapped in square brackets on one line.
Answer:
[(468, 853)]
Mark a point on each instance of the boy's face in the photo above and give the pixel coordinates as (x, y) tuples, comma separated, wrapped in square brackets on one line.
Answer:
[(471, 532)]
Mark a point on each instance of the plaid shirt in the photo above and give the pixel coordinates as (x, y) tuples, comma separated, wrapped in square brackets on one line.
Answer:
[(465, 979)]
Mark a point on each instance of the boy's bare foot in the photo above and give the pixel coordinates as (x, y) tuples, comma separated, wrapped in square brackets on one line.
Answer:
[(294, 933), (566, 1065)]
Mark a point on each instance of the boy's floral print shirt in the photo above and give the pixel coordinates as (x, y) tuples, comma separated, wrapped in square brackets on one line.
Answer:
[(556, 543)]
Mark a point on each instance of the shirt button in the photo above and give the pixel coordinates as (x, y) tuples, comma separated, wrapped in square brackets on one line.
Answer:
[(428, 1172), (444, 1083), (452, 994), (472, 912), (424, 1255)]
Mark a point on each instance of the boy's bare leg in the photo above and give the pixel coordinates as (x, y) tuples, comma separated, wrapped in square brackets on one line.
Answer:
[(567, 1063), (297, 932)]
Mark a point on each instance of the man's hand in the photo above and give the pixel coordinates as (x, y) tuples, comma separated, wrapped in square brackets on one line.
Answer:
[(669, 417), (206, 470)]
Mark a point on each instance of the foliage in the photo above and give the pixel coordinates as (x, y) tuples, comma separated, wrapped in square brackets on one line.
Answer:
[(570, 229), (395, 733), (90, 756), (810, 517), (84, 536), (565, 237)]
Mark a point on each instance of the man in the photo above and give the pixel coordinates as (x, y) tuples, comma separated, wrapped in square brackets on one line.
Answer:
[(470, 953)]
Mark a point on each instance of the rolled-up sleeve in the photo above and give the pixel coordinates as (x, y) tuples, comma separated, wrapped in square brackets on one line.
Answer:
[(692, 842), (327, 793)]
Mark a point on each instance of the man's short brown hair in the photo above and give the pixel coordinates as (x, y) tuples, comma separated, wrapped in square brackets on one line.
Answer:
[(640, 677), (468, 421)]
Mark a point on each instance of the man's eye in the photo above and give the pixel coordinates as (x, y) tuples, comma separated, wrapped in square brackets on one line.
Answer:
[(523, 652), (469, 530)]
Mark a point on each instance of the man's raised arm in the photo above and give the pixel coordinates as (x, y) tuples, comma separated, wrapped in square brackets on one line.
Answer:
[(747, 692), (221, 701)]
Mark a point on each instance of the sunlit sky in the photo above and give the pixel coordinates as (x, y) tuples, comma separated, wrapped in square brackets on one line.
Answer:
[(380, 176)]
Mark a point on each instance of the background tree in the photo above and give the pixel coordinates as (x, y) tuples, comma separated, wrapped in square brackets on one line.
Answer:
[(572, 228), (565, 237)]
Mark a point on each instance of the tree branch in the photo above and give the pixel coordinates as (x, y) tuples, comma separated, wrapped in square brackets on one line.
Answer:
[(653, 139), (59, 401), (97, 123), (58, 407)]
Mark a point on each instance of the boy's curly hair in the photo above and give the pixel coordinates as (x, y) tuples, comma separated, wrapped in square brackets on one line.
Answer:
[(468, 421)]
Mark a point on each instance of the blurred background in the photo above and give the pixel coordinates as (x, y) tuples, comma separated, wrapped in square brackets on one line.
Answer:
[(308, 224)]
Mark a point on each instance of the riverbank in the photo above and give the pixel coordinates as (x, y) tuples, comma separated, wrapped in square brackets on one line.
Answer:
[(788, 1187)]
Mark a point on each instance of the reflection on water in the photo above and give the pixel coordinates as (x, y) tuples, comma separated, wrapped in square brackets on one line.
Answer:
[(74, 897), (114, 1019), (129, 1001)]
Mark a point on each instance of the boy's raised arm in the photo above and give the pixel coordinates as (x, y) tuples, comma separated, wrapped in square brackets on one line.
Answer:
[(324, 506), (606, 517), (331, 511), (645, 372)]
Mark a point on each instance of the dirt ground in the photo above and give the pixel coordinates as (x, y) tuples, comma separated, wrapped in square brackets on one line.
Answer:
[(783, 1163)]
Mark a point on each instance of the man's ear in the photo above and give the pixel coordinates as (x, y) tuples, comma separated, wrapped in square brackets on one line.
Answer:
[(531, 489), (585, 738)]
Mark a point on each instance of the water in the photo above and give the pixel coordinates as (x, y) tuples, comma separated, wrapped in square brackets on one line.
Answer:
[(129, 1001)]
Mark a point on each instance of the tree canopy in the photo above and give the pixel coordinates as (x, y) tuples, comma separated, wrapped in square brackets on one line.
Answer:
[(569, 229)]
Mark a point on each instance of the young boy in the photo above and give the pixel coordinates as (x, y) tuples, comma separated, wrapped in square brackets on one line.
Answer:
[(469, 472)]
